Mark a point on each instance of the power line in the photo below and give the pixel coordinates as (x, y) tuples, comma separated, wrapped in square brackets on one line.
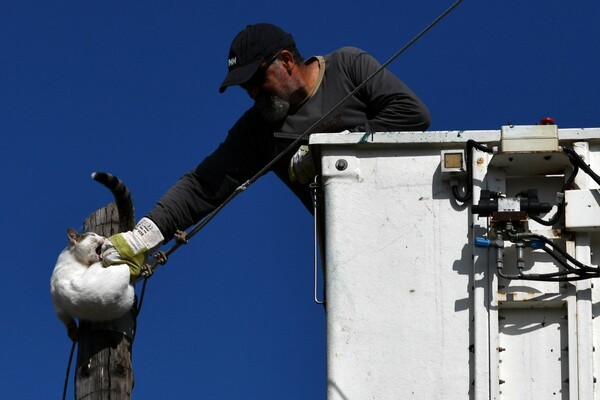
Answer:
[(307, 132)]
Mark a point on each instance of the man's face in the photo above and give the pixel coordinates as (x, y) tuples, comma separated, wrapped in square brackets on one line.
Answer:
[(273, 100), (273, 90)]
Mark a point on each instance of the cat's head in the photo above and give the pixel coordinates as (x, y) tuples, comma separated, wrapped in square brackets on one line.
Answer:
[(85, 247)]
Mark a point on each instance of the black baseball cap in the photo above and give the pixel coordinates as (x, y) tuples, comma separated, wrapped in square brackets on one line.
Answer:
[(250, 47)]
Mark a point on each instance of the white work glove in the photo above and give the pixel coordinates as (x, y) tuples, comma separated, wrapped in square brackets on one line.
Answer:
[(132, 247), (302, 167)]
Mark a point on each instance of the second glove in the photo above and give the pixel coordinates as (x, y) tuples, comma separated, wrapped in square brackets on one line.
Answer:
[(302, 167)]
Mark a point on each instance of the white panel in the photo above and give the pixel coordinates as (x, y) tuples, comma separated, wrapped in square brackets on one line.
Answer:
[(582, 210), (533, 355), (398, 268)]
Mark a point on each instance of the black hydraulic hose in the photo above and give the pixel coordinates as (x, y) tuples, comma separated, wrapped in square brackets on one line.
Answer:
[(550, 277), (571, 178), (560, 206), (463, 198), (547, 278), (545, 240), (551, 221), (564, 254), (560, 276), (580, 270), (556, 251), (576, 159)]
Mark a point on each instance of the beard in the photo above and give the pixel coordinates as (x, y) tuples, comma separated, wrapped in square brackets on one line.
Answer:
[(273, 108)]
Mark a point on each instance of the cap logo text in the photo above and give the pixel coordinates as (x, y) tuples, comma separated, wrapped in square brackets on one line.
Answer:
[(232, 61)]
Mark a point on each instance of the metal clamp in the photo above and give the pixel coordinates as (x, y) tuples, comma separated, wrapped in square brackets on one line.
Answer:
[(181, 237)]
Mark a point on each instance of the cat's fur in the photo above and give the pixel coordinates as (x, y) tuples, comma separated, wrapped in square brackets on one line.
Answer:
[(81, 287)]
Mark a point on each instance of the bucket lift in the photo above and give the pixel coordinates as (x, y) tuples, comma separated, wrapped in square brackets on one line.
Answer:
[(469, 275)]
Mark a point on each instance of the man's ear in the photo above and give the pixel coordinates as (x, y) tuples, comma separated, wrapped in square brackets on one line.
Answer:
[(287, 59)]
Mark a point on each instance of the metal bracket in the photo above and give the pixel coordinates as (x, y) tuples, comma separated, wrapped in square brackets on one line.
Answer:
[(161, 257), (181, 237), (146, 271)]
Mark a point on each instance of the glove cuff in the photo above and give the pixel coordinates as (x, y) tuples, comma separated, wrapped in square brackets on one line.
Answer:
[(147, 234)]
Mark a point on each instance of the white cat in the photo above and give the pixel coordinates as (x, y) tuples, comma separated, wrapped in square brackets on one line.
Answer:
[(81, 287)]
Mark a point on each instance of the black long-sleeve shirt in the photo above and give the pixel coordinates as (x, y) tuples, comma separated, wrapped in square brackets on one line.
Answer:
[(385, 103)]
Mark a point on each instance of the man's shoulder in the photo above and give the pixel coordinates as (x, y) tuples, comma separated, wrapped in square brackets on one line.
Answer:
[(348, 51), (345, 55)]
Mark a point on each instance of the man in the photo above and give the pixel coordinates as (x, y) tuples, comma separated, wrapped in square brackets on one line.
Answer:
[(290, 95)]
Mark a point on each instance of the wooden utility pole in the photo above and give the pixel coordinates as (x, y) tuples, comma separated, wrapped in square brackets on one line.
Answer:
[(104, 368)]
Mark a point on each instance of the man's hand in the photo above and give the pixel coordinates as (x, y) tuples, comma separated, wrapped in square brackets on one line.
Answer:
[(302, 167), (132, 247)]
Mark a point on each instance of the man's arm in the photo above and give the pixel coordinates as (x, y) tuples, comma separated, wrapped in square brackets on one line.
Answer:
[(200, 191), (191, 198)]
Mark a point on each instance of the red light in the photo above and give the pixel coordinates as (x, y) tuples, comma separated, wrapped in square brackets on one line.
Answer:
[(547, 121)]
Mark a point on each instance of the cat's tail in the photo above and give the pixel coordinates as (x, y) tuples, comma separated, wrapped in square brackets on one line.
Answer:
[(122, 198)]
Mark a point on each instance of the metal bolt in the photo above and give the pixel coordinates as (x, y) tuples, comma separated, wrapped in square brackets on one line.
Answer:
[(341, 164)]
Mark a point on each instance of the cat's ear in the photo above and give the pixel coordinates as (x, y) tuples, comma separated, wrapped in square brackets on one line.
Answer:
[(73, 236)]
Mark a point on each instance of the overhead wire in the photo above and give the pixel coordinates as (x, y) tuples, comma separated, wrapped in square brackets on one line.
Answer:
[(209, 217), (66, 384), (266, 168), (302, 137)]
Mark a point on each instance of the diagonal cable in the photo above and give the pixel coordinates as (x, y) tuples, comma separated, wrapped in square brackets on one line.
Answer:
[(307, 132)]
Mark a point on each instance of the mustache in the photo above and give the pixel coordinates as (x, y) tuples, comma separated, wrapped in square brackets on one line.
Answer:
[(273, 108)]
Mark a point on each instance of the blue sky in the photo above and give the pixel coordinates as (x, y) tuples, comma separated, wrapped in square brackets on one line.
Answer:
[(131, 88)]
